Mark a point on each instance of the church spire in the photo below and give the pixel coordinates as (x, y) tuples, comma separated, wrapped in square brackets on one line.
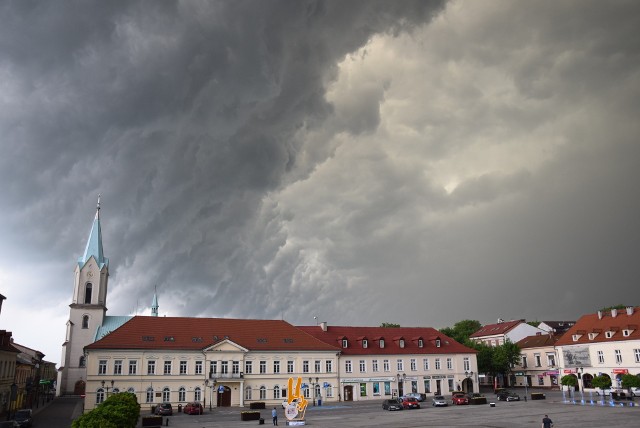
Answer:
[(154, 304), (94, 243)]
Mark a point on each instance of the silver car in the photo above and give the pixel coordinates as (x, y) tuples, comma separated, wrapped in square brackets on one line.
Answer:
[(439, 401)]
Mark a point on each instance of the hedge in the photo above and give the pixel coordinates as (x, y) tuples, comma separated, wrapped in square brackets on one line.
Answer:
[(120, 410)]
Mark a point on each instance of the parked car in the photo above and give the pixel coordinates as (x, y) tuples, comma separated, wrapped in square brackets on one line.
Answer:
[(508, 396), (410, 402), (635, 392), (392, 405), (194, 408), (606, 392), (459, 398), (24, 417), (164, 409), (438, 401), (417, 395)]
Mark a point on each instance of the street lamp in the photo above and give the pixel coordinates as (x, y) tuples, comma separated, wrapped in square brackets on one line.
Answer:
[(206, 383), (401, 378), (580, 380), (107, 387)]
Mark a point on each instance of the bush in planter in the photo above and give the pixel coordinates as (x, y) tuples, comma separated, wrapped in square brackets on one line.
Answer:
[(537, 396), (257, 405), (118, 411), (478, 400), (249, 416)]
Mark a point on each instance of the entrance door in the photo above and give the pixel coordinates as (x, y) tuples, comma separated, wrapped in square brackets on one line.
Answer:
[(400, 389), (348, 393), (224, 396), (438, 387), (79, 388), (467, 385)]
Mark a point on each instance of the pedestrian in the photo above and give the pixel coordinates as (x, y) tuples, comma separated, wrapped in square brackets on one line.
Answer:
[(274, 415), (546, 422)]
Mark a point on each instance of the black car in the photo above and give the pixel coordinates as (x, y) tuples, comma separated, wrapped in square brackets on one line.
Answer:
[(508, 396), (24, 417), (164, 409), (392, 405)]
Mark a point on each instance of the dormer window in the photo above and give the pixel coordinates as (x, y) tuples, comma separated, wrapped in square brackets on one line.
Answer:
[(576, 337), (365, 343), (381, 343), (401, 343), (592, 336), (626, 333), (345, 343), (609, 334), (437, 343), (420, 343)]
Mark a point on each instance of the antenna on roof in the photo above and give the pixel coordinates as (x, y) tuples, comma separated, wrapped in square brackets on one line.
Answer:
[(316, 320)]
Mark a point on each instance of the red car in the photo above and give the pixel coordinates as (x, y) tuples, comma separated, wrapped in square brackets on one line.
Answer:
[(410, 403), (193, 409), (459, 398)]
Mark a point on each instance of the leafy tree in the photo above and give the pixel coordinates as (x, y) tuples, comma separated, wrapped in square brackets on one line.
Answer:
[(602, 382), (613, 307), (630, 381), (506, 356), (389, 325), (533, 323), (569, 380), (462, 330), (484, 357)]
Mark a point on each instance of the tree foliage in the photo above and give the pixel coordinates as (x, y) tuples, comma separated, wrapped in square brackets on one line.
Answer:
[(569, 380), (614, 307), (389, 325), (630, 381), (494, 360), (462, 330), (602, 382), (117, 411)]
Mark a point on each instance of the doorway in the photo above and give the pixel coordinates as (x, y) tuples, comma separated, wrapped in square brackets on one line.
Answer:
[(224, 396), (79, 388), (438, 387), (348, 393)]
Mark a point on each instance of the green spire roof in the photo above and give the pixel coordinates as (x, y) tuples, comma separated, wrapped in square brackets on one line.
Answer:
[(94, 244)]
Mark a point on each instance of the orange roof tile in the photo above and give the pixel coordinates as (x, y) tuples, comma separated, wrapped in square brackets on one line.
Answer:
[(593, 323), (538, 341), (182, 333), (498, 328)]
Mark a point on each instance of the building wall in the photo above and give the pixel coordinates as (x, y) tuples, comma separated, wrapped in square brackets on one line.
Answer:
[(544, 375)]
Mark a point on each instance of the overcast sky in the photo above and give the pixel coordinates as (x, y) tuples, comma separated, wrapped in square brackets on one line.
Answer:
[(351, 162)]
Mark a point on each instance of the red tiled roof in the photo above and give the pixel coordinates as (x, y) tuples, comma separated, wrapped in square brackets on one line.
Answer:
[(494, 329), (144, 332), (592, 323), (391, 336), (537, 341)]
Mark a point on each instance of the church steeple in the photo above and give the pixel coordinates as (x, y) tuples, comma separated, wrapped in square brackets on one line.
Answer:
[(154, 304), (94, 243)]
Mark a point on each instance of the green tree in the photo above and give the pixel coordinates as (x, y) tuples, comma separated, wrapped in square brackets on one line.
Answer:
[(569, 381), (389, 325), (608, 308), (462, 330), (630, 381), (602, 382), (506, 356), (484, 357), (533, 323)]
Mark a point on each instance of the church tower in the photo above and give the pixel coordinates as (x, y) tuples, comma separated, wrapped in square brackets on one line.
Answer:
[(88, 310)]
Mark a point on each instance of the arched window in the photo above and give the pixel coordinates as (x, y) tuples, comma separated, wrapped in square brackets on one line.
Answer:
[(131, 390), (87, 293), (586, 380), (197, 394), (166, 394), (116, 390), (149, 398), (328, 390), (263, 393), (99, 396), (85, 321), (182, 394), (81, 361), (247, 393), (276, 392)]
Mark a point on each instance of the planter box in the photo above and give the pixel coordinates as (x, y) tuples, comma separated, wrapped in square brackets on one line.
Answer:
[(257, 405), (250, 416), (152, 421), (538, 396), (478, 400)]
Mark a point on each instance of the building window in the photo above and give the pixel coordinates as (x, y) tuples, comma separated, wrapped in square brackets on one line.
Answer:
[(523, 359), (290, 366), (382, 343), (374, 365), (537, 360), (363, 366), (248, 367), (317, 366), (87, 293), (198, 367), (449, 364), (131, 390), (400, 364), (149, 395), (305, 366), (618, 356), (117, 367), (99, 396), (551, 360), (235, 367), (425, 364), (102, 367), (347, 366), (437, 343), (167, 367), (329, 391), (133, 367), (151, 367), (427, 386), (276, 366), (276, 392), (197, 394), (247, 393), (183, 367), (450, 382), (85, 321), (466, 365), (263, 367), (365, 343), (363, 389), (401, 343), (385, 365), (345, 343), (166, 394), (213, 367), (329, 366), (224, 367), (437, 363), (82, 362), (414, 365), (600, 357), (182, 394), (540, 380), (636, 353), (420, 343), (263, 393)]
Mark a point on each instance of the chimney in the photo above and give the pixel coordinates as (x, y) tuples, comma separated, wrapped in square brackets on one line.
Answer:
[(614, 313), (629, 310), (599, 315), (500, 320), (323, 325)]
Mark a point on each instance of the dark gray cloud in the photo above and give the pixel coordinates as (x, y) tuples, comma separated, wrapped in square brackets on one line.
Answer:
[(406, 161)]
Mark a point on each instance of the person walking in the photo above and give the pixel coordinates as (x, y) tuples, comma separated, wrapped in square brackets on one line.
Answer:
[(546, 422), (274, 415)]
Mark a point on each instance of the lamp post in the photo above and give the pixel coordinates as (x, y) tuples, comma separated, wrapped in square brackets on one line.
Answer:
[(313, 390), (107, 387), (580, 371), (206, 384)]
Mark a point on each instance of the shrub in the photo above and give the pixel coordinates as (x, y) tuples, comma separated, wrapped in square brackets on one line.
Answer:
[(257, 405), (118, 411)]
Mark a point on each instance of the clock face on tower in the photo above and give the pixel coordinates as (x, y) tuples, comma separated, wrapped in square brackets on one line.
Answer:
[(90, 274)]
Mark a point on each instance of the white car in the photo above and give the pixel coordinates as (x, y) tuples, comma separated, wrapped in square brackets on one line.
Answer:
[(605, 392), (635, 392)]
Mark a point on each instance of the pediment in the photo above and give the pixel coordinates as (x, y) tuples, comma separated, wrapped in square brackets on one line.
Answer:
[(226, 345)]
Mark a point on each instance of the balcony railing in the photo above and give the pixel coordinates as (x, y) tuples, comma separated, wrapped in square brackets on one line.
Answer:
[(226, 375)]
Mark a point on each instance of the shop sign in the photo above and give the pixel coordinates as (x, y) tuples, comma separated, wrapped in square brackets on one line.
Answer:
[(620, 371)]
